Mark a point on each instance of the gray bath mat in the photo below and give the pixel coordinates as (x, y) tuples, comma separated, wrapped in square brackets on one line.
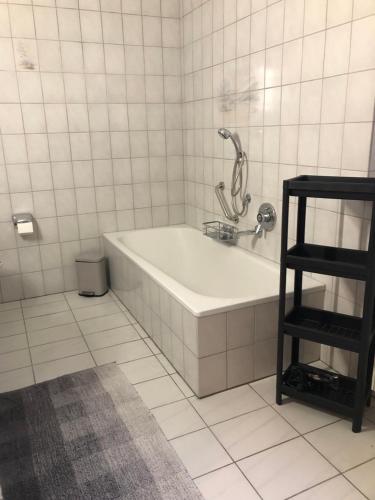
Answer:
[(86, 436)]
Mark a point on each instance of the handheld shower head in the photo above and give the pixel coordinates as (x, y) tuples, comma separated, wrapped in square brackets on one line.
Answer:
[(227, 134), (224, 133)]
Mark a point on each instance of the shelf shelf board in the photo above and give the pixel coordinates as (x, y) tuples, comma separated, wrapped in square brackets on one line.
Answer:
[(340, 400), (324, 327), (333, 261), (322, 186)]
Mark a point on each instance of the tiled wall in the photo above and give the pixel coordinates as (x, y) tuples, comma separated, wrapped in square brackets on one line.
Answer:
[(296, 80), (90, 121)]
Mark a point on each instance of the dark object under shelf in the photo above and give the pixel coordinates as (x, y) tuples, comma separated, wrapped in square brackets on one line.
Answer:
[(321, 387)]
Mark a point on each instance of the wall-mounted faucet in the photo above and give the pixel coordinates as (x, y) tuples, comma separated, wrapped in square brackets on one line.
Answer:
[(221, 231), (266, 219)]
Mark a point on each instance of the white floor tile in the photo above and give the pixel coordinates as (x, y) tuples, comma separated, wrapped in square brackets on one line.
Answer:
[(227, 483), (363, 477), (287, 469), (58, 350), (54, 334), (14, 360), (11, 315), (94, 325), (96, 311), (76, 301), (16, 379), (342, 447), (42, 310), (61, 318), (143, 369), (337, 488), (12, 328), (111, 337), (266, 388), (122, 353), (304, 418), (200, 452), (177, 419), (53, 369), (228, 404), (13, 343), (45, 299), (160, 391), (253, 432)]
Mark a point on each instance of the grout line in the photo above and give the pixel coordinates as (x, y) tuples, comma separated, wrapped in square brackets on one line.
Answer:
[(28, 346), (82, 335), (354, 485), (41, 304), (121, 343), (312, 487)]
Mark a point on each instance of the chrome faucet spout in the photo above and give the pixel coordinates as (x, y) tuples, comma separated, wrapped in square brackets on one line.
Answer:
[(258, 230)]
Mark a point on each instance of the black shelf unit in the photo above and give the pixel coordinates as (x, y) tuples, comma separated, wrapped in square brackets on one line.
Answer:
[(323, 388)]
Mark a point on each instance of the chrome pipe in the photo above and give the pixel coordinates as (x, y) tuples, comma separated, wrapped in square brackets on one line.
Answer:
[(219, 191)]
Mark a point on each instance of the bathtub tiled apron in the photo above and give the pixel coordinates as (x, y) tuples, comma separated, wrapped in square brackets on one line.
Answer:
[(214, 342)]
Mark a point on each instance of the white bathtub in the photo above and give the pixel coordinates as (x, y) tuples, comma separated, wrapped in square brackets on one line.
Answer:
[(211, 309)]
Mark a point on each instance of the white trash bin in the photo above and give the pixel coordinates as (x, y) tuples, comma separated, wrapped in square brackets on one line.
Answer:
[(92, 274)]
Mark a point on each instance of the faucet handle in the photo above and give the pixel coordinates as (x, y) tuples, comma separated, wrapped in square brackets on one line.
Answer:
[(266, 216)]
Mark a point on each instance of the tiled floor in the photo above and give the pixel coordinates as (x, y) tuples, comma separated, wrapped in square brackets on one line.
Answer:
[(237, 445)]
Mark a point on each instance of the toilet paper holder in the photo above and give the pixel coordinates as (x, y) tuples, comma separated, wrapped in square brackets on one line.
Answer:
[(21, 218), (23, 223)]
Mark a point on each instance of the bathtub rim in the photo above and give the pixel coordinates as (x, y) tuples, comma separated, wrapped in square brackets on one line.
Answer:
[(188, 298)]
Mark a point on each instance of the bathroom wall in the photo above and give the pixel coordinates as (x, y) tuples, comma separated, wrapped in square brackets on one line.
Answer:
[(90, 121), (296, 80)]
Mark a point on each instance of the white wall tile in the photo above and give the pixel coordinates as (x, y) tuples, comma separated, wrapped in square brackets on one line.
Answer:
[(363, 8), (69, 26), (337, 50), (21, 20), (362, 53), (339, 12), (360, 96), (333, 99), (356, 146), (292, 60), (293, 20), (315, 16)]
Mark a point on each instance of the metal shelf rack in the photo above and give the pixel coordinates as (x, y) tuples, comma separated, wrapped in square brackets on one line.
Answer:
[(324, 388)]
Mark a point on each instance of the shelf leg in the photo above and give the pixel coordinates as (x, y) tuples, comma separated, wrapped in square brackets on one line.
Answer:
[(298, 275), (366, 347), (370, 372), (360, 395), (282, 291)]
